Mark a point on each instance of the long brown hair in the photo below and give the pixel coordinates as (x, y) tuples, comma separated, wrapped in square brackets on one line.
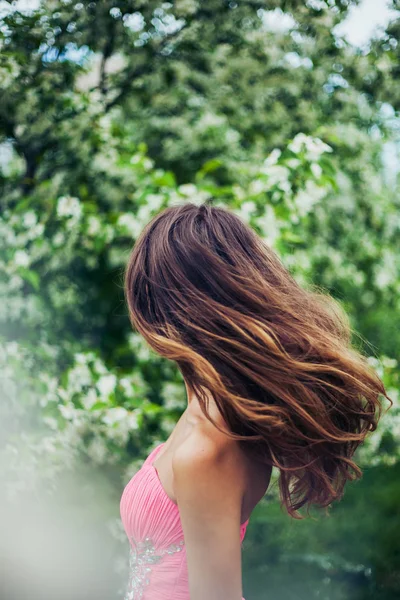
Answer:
[(207, 292)]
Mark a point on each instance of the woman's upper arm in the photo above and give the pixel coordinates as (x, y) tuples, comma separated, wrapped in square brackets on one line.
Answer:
[(208, 485)]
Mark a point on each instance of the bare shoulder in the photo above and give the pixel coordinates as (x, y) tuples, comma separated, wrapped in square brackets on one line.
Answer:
[(210, 457)]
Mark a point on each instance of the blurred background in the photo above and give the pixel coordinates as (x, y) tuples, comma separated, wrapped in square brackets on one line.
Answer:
[(285, 111)]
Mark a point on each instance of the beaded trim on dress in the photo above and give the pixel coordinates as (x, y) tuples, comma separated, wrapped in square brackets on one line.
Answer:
[(142, 555)]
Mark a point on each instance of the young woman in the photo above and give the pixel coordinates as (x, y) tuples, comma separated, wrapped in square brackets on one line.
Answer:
[(271, 380)]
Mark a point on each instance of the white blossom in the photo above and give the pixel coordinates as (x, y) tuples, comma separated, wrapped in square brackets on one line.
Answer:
[(127, 386), (258, 186), (272, 159), (89, 399), (58, 239), (134, 21), (187, 189), (308, 197), (106, 384), (114, 415), (21, 258), (97, 450), (68, 410), (51, 422), (129, 222), (94, 225), (313, 147), (99, 367), (29, 219), (154, 201), (11, 348), (278, 175), (210, 120), (174, 395), (316, 170), (36, 231), (81, 358), (148, 163), (246, 210), (69, 206), (79, 377), (132, 420), (293, 163), (268, 224), (387, 271)]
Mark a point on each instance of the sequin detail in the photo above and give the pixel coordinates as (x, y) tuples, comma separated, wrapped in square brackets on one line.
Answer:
[(142, 555)]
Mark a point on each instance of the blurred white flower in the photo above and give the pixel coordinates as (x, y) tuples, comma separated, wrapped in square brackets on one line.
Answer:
[(210, 120), (115, 415), (386, 272), (278, 175), (78, 377), (89, 399), (51, 422), (67, 410), (81, 358), (58, 239), (293, 163), (132, 420), (268, 224), (29, 219), (188, 189), (272, 159), (12, 349), (127, 386), (69, 206), (391, 363), (134, 21), (106, 384), (316, 170), (186, 7), (98, 366), (35, 231), (232, 136), (130, 222), (247, 210), (308, 197), (21, 258), (48, 445), (97, 450), (257, 186), (174, 396), (238, 192), (139, 346), (94, 225), (298, 142), (314, 147), (148, 164), (154, 201)]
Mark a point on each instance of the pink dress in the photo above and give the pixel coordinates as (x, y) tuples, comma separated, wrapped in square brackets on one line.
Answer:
[(158, 568)]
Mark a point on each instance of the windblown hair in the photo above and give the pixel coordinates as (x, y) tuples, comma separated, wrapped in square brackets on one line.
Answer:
[(205, 291)]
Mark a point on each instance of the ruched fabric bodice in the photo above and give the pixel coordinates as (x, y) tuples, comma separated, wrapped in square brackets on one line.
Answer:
[(158, 568)]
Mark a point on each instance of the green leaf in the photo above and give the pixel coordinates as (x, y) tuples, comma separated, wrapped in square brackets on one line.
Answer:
[(30, 276)]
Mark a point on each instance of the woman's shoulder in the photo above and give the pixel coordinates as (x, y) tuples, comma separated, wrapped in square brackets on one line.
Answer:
[(208, 449)]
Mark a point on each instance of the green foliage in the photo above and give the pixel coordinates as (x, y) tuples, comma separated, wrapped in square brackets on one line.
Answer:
[(111, 111), (348, 555)]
